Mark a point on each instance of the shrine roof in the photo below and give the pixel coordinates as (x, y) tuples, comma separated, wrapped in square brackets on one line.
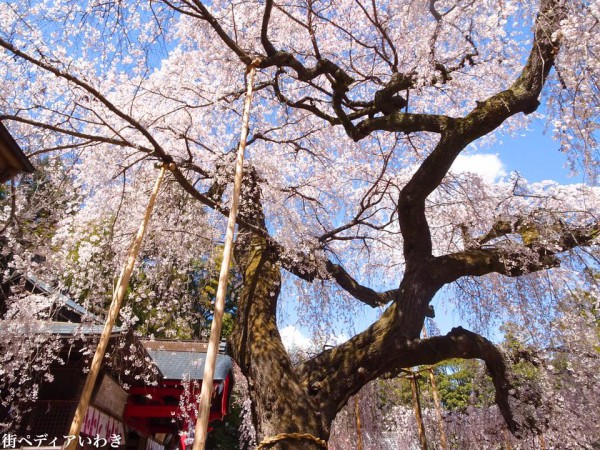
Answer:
[(179, 359), (62, 300), (12, 158), (58, 328), (70, 328)]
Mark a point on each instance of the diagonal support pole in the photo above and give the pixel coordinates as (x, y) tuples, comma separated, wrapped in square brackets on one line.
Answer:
[(201, 430), (113, 313)]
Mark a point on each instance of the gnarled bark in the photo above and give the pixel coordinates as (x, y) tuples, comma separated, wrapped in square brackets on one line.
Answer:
[(280, 404)]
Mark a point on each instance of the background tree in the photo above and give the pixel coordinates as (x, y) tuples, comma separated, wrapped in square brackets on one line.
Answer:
[(349, 197)]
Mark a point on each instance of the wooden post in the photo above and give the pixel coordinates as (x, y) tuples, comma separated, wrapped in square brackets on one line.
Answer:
[(507, 440), (438, 410), (201, 430), (113, 313), (542, 442), (417, 408), (359, 443), (437, 402)]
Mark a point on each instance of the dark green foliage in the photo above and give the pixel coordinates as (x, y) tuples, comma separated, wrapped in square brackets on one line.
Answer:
[(460, 383), (463, 383), (225, 434)]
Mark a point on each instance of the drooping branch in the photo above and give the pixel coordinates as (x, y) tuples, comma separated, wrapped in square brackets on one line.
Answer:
[(464, 344)]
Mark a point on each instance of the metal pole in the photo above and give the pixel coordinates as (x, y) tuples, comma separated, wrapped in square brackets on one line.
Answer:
[(113, 313), (201, 430)]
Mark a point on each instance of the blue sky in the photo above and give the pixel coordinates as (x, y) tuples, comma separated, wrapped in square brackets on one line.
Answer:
[(536, 157)]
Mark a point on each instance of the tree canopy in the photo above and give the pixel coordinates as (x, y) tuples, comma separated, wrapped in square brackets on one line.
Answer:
[(349, 198)]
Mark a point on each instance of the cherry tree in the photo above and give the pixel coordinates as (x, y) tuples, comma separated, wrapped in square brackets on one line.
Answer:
[(349, 197)]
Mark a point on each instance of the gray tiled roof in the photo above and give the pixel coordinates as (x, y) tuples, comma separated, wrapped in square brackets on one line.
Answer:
[(62, 299), (60, 328), (175, 365), (67, 328)]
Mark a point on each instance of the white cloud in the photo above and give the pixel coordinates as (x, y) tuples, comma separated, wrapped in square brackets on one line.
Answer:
[(488, 167), (294, 339)]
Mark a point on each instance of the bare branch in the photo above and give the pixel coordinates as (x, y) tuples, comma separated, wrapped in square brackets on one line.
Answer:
[(402, 123)]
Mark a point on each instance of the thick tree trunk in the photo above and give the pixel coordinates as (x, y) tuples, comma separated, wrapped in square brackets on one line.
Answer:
[(280, 404), (286, 400), (307, 398), (336, 374)]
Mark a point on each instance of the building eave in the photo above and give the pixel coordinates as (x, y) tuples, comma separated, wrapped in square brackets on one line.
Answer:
[(12, 159)]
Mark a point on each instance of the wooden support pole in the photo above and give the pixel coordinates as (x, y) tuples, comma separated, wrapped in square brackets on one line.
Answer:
[(417, 407), (542, 442), (201, 430), (359, 443), (113, 313), (438, 410), (437, 402), (507, 439)]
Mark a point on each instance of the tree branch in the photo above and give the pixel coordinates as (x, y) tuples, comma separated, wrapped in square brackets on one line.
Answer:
[(264, 38), (332, 391), (309, 269), (366, 295), (91, 90), (89, 137), (208, 17), (402, 123), (538, 250), (522, 96)]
